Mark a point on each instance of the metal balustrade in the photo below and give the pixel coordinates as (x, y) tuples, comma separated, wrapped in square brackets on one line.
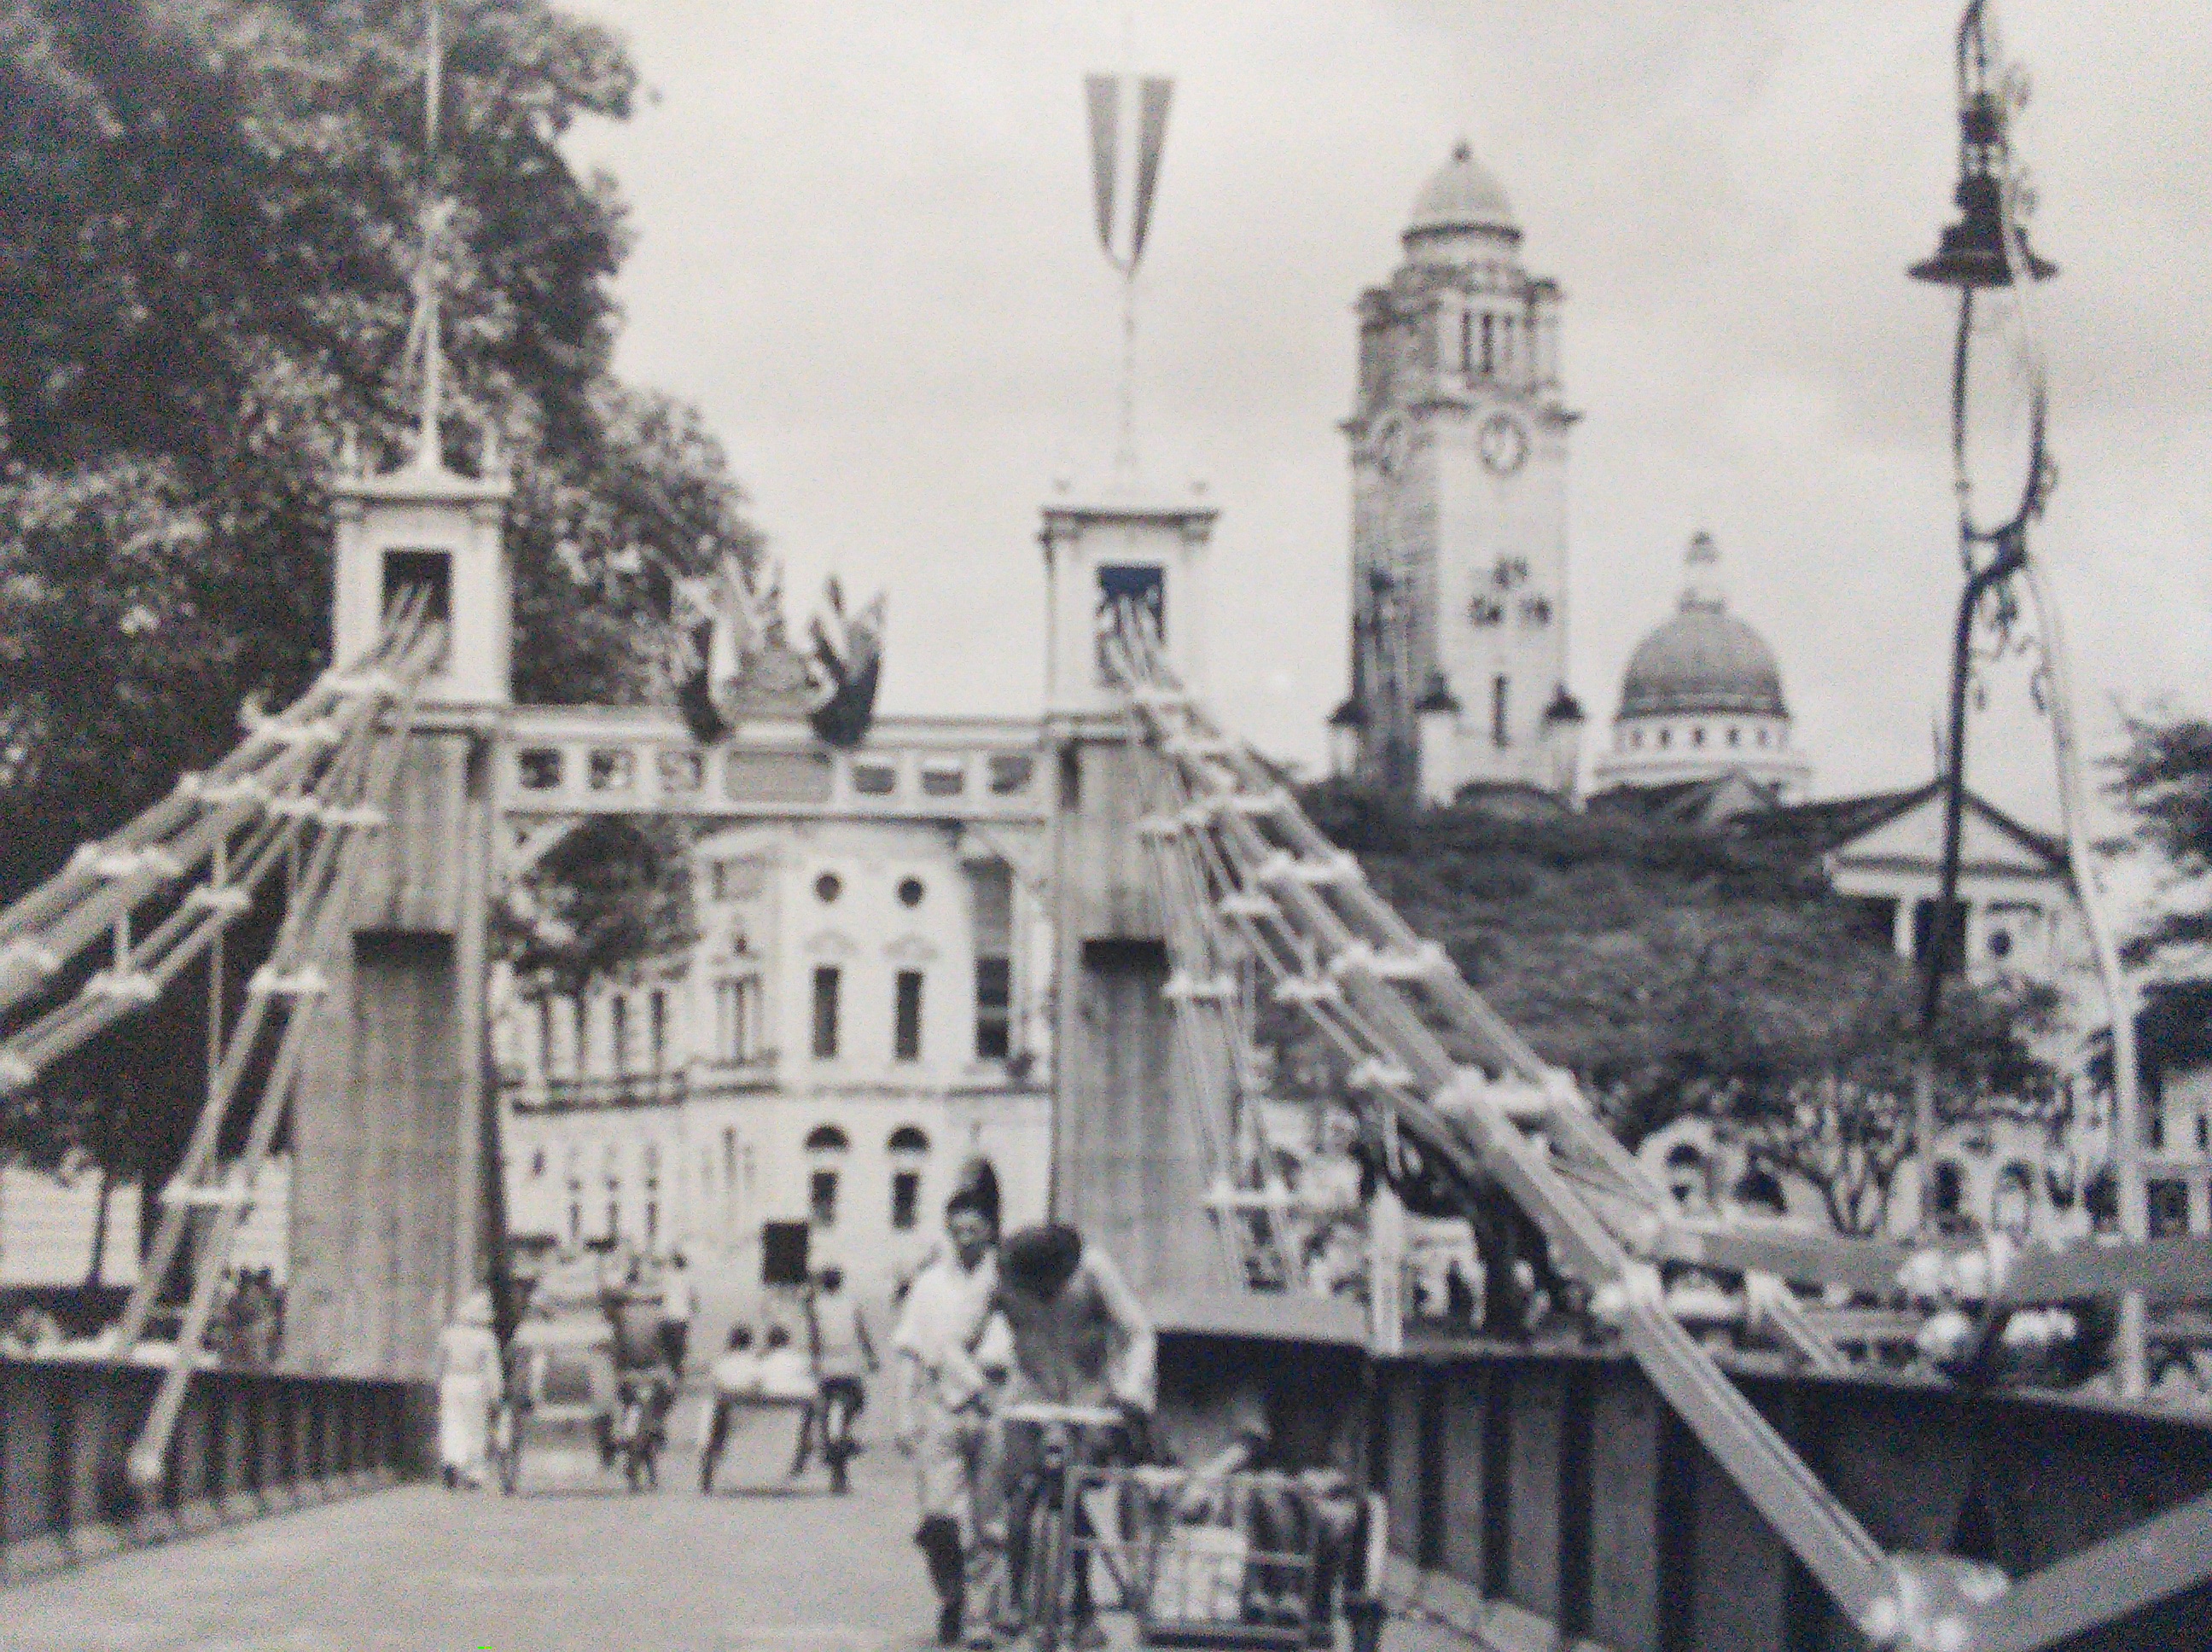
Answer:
[(245, 1443), (1544, 1498)]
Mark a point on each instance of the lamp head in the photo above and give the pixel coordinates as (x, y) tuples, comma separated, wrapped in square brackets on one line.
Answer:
[(1971, 253)]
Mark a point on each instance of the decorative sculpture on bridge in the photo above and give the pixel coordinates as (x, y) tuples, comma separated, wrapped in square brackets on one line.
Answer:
[(729, 656)]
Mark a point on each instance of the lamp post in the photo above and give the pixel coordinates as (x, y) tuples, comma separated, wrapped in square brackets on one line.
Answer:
[(1987, 249)]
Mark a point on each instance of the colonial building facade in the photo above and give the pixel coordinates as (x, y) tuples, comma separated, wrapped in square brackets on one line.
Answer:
[(861, 1004)]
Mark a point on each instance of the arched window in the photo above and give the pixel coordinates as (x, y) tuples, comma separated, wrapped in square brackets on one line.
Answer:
[(1949, 1192), (1689, 1178), (908, 1146), (1758, 1189), (826, 1142)]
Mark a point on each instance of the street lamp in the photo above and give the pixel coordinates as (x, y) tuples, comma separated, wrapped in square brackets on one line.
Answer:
[(1987, 249)]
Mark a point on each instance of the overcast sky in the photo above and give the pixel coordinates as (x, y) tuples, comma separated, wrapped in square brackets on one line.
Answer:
[(865, 249)]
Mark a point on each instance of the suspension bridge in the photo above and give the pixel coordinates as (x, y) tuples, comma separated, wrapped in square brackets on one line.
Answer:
[(1615, 1479), (1626, 1486)]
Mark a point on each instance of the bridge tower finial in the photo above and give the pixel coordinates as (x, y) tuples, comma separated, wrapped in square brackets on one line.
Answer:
[(436, 210)]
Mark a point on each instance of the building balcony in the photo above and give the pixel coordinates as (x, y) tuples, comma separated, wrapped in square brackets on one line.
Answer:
[(613, 1091), (747, 1076)]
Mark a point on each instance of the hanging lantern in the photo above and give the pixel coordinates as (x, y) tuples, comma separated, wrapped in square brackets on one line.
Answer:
[(1971, 252)]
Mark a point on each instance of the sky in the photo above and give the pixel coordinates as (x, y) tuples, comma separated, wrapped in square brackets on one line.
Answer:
[(865, 250)]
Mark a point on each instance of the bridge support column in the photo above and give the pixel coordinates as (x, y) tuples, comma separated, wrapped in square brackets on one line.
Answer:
[(389, 1133), (1127, 1167)]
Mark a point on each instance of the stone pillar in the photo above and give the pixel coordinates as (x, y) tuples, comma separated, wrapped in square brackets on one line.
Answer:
[(389, 1222), (1126, 1166)]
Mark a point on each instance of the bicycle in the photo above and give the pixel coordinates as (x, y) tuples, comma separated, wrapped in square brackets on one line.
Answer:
[(1049, 1509)]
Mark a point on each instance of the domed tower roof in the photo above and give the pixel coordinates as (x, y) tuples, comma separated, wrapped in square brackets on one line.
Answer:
[(1704, 659), (1462, 195)]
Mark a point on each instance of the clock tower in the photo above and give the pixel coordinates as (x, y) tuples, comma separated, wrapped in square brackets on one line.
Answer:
[(1459, 510)]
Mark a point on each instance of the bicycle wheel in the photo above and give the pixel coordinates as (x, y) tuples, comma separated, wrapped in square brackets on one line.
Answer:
[(506, 1448), (1047, 1571)]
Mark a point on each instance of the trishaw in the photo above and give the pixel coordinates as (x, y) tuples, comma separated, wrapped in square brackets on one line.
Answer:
[(582, 1372)]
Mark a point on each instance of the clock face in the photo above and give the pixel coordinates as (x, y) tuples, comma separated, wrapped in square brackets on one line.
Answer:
[(1504, 443)]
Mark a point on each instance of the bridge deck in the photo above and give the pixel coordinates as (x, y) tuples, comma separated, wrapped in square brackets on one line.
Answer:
[(574, 1563)]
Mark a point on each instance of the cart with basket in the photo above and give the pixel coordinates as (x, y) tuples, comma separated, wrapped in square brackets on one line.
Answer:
[(1250, 1559)]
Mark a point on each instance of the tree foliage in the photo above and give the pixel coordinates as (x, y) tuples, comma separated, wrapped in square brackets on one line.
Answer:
[(2164, 780), (210, 230), (1678, 970)]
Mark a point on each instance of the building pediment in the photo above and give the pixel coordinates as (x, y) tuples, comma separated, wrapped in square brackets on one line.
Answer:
[(831, 943), (1990, 842)]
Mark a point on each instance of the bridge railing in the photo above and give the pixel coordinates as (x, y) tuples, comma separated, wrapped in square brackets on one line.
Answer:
[(1553, 1498), (246, 1443)]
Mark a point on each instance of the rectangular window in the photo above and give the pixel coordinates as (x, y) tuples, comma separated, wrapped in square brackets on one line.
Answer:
[(1489, 345), (1467, 340), (544, 1037), (825, 1012), (1499, 711), (583, 1012), (994, 1005), (737, 1019), (991, 894), (657, 1005), (2168, 1203), (426, 578), (906, 1029), (906, 1200), (618, 1030), (1138, 587), (822, 1199)]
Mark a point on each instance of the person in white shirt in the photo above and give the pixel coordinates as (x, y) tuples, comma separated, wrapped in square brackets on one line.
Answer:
[(679, 1304), (737, 1377), (946, 1392), (468, 1382), (844, 1354)]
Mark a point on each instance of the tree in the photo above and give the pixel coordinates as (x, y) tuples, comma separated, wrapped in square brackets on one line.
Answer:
[(2163, 780), (1846, 1126), (209, 230), (1678, 970)]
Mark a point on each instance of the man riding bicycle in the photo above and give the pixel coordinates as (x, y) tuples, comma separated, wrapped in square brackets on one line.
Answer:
[(1080, 1338)]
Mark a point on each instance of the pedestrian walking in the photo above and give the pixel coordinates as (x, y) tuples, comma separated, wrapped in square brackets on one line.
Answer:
[(468, 1382), (679, 1306), (844, 1357), (945, 1395)]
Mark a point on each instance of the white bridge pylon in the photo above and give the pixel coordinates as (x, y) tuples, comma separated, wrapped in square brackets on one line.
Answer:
[(1256, 896), (299, 802)]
